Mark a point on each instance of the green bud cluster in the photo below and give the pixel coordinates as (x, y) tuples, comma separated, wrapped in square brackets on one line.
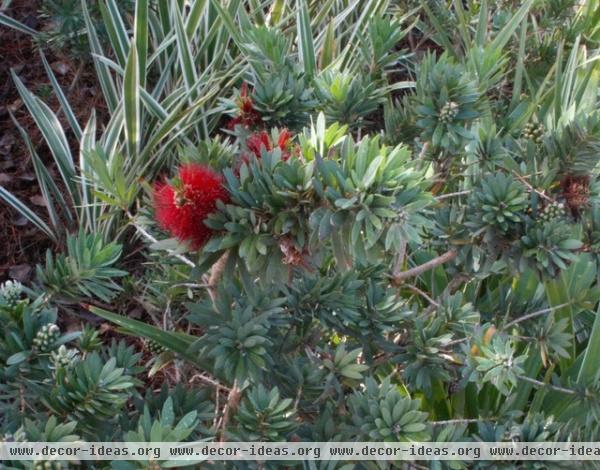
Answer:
[(18, 436), (554, 210), (46, 337), (47, 465), (64, 358), (534, 131), (448, 112), (401, 216), (154, 347), (11, 292)]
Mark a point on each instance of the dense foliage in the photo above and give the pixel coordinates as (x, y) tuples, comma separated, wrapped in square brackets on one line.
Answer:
[(317, 221)]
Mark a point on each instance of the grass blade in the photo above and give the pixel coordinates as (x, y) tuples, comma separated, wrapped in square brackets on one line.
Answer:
[(62, 99), (88, 143), (26, 212), (194, 18), (305, 40), (54, 135), (481, 33), (47, 185), (141, 38), (328, 49), (186, 60), (131, 103), (230, 25), (14, 24), (276, 12), (107, 84), (520, 67)]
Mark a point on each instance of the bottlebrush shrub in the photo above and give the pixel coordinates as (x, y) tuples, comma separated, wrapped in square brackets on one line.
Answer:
[(363, 198), (437, 280), (284, 94)]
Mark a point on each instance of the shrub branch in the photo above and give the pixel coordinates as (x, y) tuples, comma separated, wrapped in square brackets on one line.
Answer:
[(399, 278)]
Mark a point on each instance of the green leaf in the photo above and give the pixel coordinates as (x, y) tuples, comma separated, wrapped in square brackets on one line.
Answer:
[(305, 40), (54, 135), (26, 212), (107, 84), (49, 189), (17, 358), (184, 52), (328, 48), (591, 357), (115, 28), (176, 342), (371, 172), (14, 24), (141, 38), (62, 99), (131, 103), (510, 27)]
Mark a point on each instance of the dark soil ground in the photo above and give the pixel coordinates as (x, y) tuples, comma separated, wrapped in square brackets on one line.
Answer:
[(21, 244)]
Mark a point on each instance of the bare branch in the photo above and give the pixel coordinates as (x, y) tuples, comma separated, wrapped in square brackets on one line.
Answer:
[(556, 388), (531, 188), (534, 314), (422, 294), (215, 275), (449, 195), (418, 270)]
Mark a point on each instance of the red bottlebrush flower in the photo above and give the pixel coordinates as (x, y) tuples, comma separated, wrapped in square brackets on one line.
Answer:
[(182, 207), (285, 144), (285, 137), (257, 141), (245, 102), (248, 116)]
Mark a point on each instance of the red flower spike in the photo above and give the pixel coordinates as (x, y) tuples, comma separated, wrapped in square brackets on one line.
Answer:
[(285, 144), (182, 207), (262, 139), (247, 116), (257, 141), (285, 137)]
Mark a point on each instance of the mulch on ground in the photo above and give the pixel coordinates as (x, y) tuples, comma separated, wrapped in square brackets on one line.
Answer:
[(21, 244)]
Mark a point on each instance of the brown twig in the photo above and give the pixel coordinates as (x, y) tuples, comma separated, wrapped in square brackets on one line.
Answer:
[(460, 421), (422, 294), (233, 401), (424, 150), (215, 275), (398, 278), (210, 381), (534, 314), (449, 195), (549, 386), (531, 188)]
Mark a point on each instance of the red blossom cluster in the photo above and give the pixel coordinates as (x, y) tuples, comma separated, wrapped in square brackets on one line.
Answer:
[(182, 206), (248, 116), (256, 141)]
